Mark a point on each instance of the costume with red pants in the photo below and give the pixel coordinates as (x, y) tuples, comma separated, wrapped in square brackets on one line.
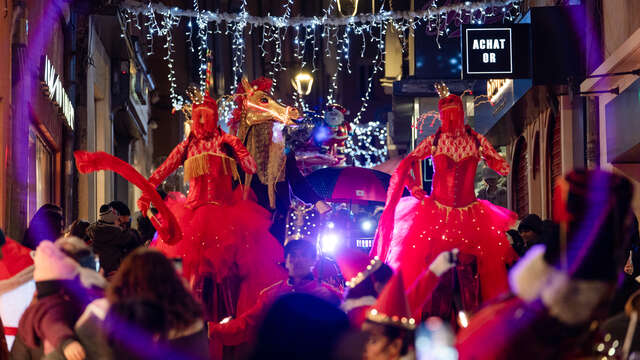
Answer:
[(412, 232), (224, 236)]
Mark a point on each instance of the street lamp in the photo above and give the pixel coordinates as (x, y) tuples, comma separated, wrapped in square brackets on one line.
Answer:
[(302, 83)]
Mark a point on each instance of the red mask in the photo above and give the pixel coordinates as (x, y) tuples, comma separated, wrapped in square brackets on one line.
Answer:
[(451, 113), (205, 118)]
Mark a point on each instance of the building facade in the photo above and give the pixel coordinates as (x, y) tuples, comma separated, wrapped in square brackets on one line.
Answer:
[(40, 128), (618, 106)]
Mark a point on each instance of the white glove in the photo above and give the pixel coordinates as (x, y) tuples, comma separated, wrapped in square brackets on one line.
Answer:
[(443, 262)]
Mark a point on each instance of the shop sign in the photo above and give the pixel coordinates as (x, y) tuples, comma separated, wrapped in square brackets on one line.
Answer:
[(496, 87), (57, 94), (491, 50)]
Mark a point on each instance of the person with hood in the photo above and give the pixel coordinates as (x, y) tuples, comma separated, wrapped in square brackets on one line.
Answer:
[(559, 288)]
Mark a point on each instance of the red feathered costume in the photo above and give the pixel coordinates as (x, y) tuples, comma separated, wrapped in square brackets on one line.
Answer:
[(412, 232), (224, 235)]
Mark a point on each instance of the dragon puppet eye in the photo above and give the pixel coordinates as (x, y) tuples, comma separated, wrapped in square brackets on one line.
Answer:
[(264, 100)]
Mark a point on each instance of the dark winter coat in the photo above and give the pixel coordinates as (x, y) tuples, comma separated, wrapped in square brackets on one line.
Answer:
[(112, 244)]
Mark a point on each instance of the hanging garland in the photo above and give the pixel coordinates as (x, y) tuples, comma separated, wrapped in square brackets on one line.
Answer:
[(367, 146), (479, 12)]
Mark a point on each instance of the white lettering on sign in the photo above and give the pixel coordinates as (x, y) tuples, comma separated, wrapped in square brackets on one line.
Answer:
[(57, 93), (489, 44), (491, 47)]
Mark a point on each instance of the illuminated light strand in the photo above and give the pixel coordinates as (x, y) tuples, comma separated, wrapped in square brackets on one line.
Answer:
[(203, 29), (510, 9), (369, 140)]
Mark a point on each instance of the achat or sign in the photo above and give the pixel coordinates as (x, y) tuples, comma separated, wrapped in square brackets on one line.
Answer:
[(494, 51), (488, 51), (57, 94)]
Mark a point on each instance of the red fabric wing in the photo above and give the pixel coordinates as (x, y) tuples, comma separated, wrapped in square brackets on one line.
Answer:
[(89, 162)]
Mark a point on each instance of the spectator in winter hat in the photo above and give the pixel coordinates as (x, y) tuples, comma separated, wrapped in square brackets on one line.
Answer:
[(530, 229)]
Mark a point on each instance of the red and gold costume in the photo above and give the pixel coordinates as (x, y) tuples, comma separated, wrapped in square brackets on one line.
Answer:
[(223, 234), (413, 230)]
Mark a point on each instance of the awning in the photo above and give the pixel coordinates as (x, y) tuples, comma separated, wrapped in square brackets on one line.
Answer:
[(625, 58)]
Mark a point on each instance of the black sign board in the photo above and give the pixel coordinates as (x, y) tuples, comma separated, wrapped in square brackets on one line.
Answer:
[(496, 51)]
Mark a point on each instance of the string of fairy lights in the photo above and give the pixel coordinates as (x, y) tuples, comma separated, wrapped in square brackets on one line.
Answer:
[(328, 35)]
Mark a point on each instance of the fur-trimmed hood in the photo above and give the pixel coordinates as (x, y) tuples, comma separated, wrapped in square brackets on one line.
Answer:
[(572, 301)]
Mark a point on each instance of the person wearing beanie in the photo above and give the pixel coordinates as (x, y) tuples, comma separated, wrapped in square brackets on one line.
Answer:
[(560, 287), (47, 324), (16, 285), (109, 241), (389, 324), (530, 229), (300, 258), (124, 221), (492, 192)]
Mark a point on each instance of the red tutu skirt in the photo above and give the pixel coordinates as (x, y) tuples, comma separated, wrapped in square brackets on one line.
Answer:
[(423, 229), (227, 240)]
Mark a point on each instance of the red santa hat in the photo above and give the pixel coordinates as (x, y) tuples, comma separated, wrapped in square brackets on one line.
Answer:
[(392, 307), (356, 266), (16, 265), (52, 264)]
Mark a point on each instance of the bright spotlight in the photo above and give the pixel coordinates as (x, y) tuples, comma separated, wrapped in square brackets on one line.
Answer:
[(367, 225), (462, 319), (331, 225), (329, 242)]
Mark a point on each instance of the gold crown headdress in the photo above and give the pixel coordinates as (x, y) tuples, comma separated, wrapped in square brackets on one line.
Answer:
[(196, 97), (442, 89)]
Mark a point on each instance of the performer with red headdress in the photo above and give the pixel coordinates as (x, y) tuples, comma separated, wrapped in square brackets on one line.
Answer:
[(224, 236), (414, 230)]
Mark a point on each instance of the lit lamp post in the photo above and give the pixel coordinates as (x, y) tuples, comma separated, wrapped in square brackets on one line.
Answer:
[(302, 83)]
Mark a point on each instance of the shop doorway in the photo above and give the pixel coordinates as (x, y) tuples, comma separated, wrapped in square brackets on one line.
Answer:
[(40, 177)]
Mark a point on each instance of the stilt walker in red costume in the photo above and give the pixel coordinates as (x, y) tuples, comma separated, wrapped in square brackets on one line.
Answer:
[(224, 236), (414, 230)]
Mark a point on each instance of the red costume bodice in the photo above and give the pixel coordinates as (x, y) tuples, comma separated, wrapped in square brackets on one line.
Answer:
[(207, 167), (453, 181), (455, 160)]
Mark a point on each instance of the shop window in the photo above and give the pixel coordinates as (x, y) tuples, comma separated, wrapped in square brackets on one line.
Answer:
[(520, 183), (39, 173)]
